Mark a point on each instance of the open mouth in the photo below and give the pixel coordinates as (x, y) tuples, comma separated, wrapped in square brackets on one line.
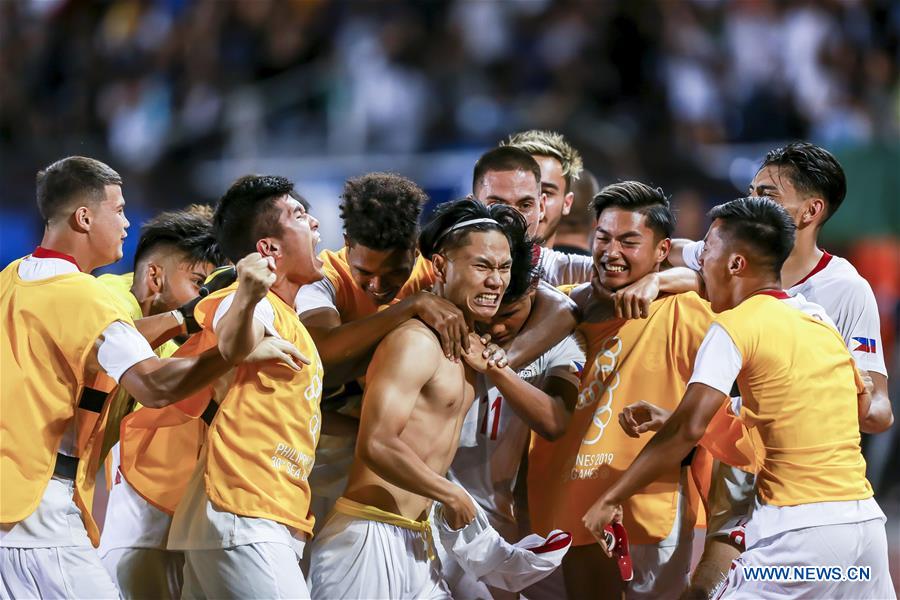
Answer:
[(486, 300), (383, 296), (607, 268), (315, 242)]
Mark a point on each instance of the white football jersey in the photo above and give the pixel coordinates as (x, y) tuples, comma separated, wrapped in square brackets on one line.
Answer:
[(836, 286), (494, 438)]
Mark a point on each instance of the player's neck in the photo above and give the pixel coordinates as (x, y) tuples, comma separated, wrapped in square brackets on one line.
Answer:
[(285, 289), (803, 258), (745, 287), (549, 241), (72, 244)]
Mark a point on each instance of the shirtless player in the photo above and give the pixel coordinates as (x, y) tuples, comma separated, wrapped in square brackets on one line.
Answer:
[(410, 424)]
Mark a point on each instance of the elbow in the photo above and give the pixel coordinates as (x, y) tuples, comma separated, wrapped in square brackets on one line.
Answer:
[(877, 423), (692, 433), (554, 430), (368, 450), (151, 398)]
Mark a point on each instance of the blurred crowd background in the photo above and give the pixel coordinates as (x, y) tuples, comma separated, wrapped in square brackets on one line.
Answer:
[(183, 96)]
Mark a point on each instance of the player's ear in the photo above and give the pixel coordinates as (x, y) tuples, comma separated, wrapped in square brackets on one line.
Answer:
[(542, 205), (347, 241), (815, 211), (736, 264), (440, 267), (268, 247), (568, 199), (82, 219), (155, 277), (662, 249)]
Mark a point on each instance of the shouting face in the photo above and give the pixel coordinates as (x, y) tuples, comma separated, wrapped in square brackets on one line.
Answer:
[(476, 274)]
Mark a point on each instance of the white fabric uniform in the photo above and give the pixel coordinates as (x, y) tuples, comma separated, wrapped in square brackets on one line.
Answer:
[(360, 558), (819, 533), (493, 441), (133, 542), (226, 554), (49, 554), (485, 556), (560, 268)]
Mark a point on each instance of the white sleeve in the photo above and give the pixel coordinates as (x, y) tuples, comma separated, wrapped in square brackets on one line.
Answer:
[(690, 254), (263, 312), (122, 347), (860, 326), (319, 294), (718, 361), (561, 268), (566, 361)]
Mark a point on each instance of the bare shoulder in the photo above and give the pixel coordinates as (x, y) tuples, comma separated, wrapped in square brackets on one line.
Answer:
[(411, 344)]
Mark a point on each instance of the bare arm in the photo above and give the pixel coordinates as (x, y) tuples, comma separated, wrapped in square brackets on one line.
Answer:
[(387, 406), (876, 414), (158, 382), (553, 317), (343, 346), (547, 413), (662, 454), (633, 301), (237, 331), (161, 328)]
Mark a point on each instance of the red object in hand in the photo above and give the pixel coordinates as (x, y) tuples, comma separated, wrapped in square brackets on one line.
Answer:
[(617, 542)]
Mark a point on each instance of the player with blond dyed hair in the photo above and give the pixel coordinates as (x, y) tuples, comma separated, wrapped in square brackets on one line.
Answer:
[(561, 167)]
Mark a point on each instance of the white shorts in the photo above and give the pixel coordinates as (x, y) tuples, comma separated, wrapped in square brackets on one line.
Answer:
[(731, 496), (146, 572), (846, 545), (257, 570), (55, 572), (360, 558)]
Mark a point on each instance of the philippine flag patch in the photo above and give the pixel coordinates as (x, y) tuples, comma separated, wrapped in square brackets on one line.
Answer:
[(576, 367), (865, 345)]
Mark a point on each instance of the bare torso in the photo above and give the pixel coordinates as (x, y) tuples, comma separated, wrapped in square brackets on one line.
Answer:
[(432, 431)]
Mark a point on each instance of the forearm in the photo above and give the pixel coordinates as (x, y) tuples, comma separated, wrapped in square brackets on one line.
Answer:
[(662, 454), (879, 416), (393, 460), (552, 319), (680, 279), (158, 329), (543, 413), (347, 342), (174, 379), (237, 332)]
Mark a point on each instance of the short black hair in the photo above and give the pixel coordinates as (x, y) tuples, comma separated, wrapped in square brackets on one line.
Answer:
[(64, 180), (812, 170), (505, 158), (760, 223), (641, 198), (188, 231), (247, 213), (436, 236), (381, 211)]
